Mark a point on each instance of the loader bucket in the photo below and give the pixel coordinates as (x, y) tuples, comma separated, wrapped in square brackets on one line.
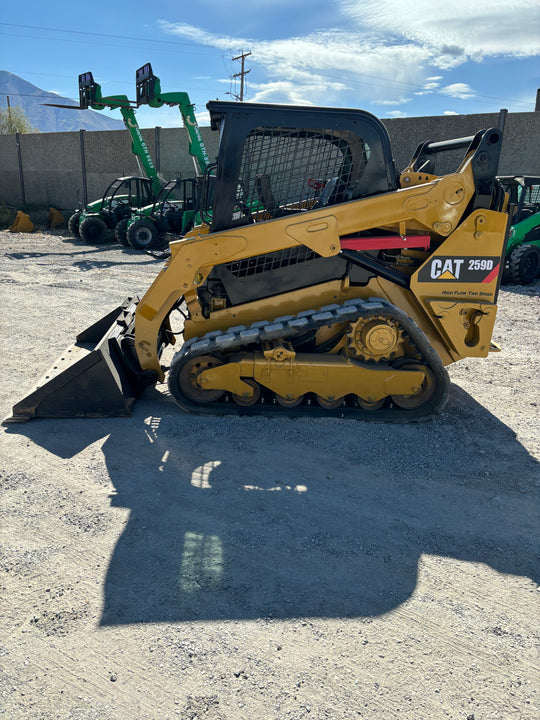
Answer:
[(95, 377), (55, 219), (22, 223)]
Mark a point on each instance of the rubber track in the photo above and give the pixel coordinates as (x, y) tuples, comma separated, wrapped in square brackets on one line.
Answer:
[(288, 327)]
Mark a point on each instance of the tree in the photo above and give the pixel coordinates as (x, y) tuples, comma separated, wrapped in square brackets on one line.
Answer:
[(14, 120)]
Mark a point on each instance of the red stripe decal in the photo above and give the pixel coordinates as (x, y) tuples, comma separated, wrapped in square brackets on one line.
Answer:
[(391, 242), (492, 275)]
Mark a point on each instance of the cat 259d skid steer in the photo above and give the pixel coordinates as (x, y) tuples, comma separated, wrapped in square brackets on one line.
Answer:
[(321, 281)]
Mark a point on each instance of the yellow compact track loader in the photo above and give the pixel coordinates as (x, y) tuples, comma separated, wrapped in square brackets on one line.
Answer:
[(320, 282)]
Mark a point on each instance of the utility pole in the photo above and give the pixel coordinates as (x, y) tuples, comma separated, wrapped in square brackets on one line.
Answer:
[(241, 74)]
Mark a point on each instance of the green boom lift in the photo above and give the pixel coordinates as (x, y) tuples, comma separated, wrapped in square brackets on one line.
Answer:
[(175, 209)]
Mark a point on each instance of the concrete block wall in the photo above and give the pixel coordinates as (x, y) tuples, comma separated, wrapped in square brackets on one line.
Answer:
[(53, 176), (52, 166), (521, 141)]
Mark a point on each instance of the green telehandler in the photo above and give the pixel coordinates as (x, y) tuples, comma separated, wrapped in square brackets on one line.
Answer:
[(95, 222), (174, 211), (176, 207), (522, 259), (148, 88)]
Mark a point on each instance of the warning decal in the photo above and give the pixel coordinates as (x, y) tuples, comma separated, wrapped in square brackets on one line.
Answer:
[(460, 269)]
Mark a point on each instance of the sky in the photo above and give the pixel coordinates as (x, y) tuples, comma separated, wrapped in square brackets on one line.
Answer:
[(393, 58)]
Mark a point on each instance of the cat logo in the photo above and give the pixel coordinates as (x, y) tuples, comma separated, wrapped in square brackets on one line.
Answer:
[(460, 269), (446, 268)]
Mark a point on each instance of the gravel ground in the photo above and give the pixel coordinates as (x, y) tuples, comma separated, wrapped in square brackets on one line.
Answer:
[(170, 565)]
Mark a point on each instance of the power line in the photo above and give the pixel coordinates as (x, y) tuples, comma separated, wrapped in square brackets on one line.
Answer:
[(168, 49), (375, 80), (378, 81), (105, 35), (50, 96), (484, 99)]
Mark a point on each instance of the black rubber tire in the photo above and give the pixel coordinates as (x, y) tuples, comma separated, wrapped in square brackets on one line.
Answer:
[(93, 230), (120, 232), (524, 264), (73, 224), (505, 279), (143, 235)]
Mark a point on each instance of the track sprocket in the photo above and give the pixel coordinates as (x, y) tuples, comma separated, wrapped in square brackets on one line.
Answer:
[(375, 338)]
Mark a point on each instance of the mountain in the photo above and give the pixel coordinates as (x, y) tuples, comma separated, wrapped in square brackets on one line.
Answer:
[(50, 119)]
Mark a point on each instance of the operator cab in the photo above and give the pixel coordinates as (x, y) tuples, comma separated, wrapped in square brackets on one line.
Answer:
[(277, 160)]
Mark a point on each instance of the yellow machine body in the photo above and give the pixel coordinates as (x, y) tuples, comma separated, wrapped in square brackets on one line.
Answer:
[(443, 306), (320, 280)]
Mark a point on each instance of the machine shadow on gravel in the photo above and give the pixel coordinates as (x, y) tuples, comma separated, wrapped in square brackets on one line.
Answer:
[(89, 254), (243, 518)]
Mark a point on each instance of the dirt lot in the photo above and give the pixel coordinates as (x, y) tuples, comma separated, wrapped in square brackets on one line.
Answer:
[(171, 565)]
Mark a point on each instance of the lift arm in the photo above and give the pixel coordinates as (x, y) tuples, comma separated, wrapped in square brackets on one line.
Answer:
[(149, 93), (140, 149), (90, 96)]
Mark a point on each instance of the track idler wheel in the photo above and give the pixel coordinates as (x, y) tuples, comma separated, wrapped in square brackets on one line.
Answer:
[(189, 377), (424, 393)]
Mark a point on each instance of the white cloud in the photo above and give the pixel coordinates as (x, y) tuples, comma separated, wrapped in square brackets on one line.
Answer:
[(283, 92), (203, 118), (317, 63), (429, 87), (385, 52), (458, 90), (450, 112), (455, 31), (395, 101), (304, 89)]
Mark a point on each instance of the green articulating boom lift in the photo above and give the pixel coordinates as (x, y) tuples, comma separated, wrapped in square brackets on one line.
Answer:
[(177, 206), (99, 219)]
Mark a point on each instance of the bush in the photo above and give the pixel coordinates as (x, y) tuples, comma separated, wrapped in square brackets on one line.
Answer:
[(13, 120), (7, 216)]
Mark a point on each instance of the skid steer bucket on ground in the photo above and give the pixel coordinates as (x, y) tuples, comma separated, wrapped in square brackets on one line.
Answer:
[(22, 223), (55, 219), (92, 377)]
